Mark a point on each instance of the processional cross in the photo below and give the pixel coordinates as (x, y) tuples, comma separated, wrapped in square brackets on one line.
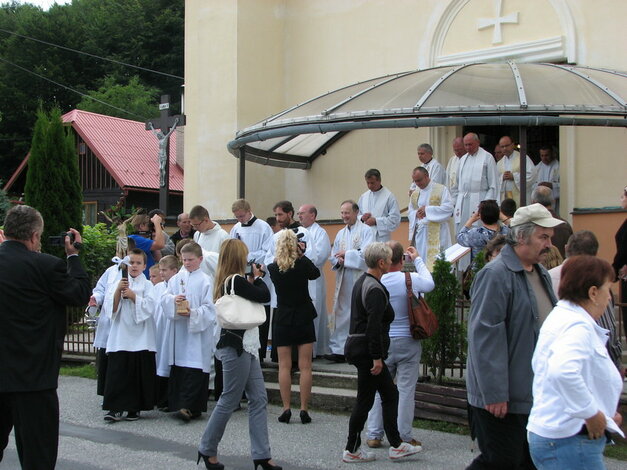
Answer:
[(162, 128)]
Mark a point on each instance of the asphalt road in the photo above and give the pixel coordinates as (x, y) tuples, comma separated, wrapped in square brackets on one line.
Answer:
[(158, 441)]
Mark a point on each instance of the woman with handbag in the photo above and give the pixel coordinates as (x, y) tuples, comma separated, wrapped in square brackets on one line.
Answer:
[(294, 319), (366, 348), (403, 359), (238, 350)]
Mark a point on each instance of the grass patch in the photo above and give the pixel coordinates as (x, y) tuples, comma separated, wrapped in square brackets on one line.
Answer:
[(618, 451), (441, 426), (87, 371)]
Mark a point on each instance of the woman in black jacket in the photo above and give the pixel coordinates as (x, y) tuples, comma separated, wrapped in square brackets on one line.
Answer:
[(294, 319), (239, 352)]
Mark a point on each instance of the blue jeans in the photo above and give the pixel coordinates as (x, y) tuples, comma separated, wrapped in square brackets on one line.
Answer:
[(404, 364), (568, 453)]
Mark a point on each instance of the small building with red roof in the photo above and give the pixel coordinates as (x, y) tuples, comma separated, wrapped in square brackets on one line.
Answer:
[(118, 161)]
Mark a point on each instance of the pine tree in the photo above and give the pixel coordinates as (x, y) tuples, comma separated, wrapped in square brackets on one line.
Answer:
[(52, 181)]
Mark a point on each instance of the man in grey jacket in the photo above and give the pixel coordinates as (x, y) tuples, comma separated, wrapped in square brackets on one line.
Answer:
[(509, 296)]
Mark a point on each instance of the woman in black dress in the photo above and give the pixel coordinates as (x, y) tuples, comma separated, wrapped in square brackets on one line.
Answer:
[(293, 319)]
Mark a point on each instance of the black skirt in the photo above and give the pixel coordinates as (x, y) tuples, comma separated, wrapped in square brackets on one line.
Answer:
[(101, 370), (293, 335), (130, 381), (188, 388)]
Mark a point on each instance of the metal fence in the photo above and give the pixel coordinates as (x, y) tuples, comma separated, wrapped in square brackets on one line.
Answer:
[(79, 337)]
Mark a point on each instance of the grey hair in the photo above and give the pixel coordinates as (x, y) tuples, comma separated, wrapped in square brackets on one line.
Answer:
[(520, 234), (543, 195), (21, 222), (426, 147), (376, 251)]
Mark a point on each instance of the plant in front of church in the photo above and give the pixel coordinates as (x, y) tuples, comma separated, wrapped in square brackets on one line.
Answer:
[(448, 344)]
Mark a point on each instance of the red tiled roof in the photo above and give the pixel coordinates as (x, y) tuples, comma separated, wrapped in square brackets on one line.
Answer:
[(126, 149)]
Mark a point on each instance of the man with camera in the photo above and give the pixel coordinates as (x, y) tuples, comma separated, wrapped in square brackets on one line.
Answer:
[(35, 289), (148, 237)]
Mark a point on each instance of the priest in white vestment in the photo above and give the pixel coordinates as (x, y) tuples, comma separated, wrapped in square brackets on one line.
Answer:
[(347, 260), (378, 208), (435, 169), (210, 236), (548, 173), (430, 209), (477, 180), (453, 163), (508, 168), (317, 288)]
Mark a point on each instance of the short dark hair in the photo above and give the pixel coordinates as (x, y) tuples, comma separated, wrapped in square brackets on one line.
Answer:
[(421, 169), (583, 242), (139, 252), (579, 274), (373, 172), (285, 206), (489, 211), (198, 212), (271, 221), (156, 211), (353, 204), (397, 251), (22, 221), (508, 207)]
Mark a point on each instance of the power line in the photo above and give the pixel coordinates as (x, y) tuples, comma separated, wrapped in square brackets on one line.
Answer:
[(71, 89), (91, 55)]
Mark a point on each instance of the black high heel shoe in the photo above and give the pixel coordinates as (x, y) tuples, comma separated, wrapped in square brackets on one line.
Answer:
[(304, 417), (265, 464), (209, 465), (285, 417)]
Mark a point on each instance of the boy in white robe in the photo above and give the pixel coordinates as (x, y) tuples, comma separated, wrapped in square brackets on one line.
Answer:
[(190, 335), (168, 267), (131, 370)]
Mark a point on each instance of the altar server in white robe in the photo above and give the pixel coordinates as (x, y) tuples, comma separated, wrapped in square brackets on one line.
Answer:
[(168, 267), (435, 169), (307, 214), (190, 336), (257, 236), (430, 209), (210, 236), (453, 163), (477, 180), (131, 346), (378, 208), (347, 259), (106, 282), (548, 173), (508, 169)]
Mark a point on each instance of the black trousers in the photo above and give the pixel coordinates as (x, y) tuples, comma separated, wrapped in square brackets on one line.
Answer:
[(367, 386), (502, 441), (35, 417)]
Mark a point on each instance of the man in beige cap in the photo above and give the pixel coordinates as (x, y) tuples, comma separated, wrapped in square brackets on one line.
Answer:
[(509, 296)]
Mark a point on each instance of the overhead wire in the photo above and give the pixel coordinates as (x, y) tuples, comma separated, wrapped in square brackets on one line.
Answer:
[(85, 95), (91, 55)]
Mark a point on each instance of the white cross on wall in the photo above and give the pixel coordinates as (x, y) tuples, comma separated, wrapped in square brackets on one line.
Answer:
[(483, 23)]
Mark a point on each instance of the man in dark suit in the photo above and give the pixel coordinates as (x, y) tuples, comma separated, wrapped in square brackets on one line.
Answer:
[(35, 289)]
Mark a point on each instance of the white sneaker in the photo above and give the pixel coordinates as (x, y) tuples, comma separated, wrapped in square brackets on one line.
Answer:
[(404, 450), (359, 456)]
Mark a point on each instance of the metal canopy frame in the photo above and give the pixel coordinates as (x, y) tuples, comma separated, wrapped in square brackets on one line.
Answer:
[(275, 141)]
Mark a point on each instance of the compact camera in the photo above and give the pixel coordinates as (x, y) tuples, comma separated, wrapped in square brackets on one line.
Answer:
[(59, 240)]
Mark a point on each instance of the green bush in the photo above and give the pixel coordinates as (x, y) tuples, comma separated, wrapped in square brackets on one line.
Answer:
[(98, 249), (448, 344)]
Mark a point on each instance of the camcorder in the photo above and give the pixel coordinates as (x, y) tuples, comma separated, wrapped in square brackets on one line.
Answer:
[(299, 238), (59, 240)]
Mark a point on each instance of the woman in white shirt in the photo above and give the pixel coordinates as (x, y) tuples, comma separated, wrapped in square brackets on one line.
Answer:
[(576, 386)]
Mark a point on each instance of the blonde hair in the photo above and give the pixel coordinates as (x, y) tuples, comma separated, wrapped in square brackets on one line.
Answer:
[(286, 250), (232, 260), (169, 262)]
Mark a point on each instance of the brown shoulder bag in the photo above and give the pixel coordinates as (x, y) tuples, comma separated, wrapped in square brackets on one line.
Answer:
[(422, 320)]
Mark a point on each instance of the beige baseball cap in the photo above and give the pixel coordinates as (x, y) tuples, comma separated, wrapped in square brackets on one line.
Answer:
[(535, 213)]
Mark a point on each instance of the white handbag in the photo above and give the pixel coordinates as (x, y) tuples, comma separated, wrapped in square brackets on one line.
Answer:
[(237, 313)]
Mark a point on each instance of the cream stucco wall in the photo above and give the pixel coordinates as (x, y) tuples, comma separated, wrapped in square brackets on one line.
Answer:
[(248, 59)]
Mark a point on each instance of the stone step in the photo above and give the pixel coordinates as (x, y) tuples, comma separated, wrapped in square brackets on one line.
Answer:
[(334, 380)]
